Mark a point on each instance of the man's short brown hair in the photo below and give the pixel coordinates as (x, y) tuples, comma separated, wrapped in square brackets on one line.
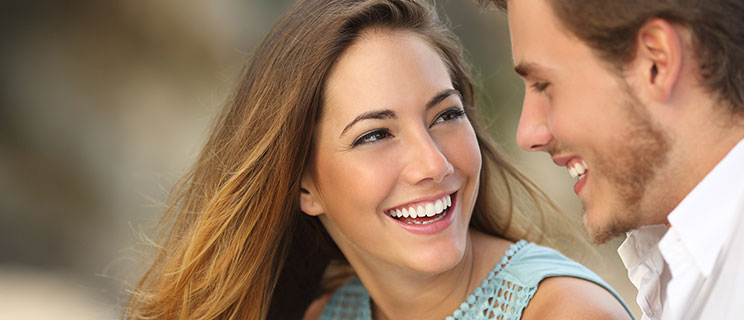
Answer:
[(610, 27)]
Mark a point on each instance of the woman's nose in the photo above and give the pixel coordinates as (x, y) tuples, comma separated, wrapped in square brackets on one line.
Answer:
[(426, 161)]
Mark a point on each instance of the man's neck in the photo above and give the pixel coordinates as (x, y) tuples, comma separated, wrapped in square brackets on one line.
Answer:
[(702, 139), (709, 137), (700, 132)]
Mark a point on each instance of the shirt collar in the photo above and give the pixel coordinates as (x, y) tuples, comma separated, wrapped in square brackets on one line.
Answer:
[(640, 243), (704, 218)]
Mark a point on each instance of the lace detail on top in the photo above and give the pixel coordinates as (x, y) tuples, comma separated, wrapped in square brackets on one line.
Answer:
[(349, 302), (497, 298), (502, 295)]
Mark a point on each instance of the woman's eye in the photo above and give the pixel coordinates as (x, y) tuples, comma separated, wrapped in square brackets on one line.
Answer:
[(540, 86), (449, 114), (372, 136)]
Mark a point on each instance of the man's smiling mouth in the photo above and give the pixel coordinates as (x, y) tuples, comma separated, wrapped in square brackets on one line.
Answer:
[(577, 169)]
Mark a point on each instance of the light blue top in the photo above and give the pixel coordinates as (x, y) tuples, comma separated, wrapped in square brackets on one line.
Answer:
[(504, 293)]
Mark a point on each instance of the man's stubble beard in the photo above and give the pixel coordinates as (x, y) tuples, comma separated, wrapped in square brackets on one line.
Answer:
[(629, 167)]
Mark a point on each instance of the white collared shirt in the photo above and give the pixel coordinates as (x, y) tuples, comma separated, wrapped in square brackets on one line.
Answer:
[(702, 249), (645, 265)]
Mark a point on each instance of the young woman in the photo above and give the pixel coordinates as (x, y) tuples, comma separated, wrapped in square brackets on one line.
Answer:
[(348, 178)]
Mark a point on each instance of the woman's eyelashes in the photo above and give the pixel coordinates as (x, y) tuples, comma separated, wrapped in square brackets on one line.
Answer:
[(372, 136), (380, 134), (449, 114)]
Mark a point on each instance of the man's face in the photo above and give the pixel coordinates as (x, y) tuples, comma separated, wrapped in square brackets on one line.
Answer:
[(590, 121)]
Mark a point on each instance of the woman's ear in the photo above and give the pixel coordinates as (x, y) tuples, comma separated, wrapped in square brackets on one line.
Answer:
[(310, 202)]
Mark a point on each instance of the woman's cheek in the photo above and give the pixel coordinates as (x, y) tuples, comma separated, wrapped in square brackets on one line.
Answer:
[(368, 173), (460, 146)]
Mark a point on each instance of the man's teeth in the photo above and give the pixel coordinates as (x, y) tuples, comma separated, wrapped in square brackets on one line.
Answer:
[(423, 210), (578, 169)]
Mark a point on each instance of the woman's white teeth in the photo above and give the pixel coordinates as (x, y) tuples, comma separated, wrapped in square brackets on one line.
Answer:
[(420, 212), (429, 210), (423, 210), (577, 169)]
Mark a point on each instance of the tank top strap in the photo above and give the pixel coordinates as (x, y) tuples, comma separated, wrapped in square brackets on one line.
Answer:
[(535, 263)]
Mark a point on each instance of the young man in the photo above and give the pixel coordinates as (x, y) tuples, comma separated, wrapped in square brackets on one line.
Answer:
[(643, 102)]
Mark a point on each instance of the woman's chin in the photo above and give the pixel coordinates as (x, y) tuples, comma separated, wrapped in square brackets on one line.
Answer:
[(435, 260)]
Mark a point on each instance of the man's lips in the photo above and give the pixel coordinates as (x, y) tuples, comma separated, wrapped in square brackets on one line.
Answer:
[(575, 165), (577, 168), (562, 160), (580, 184)]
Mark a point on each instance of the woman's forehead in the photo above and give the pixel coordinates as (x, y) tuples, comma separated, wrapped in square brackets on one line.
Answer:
[(383, 70)]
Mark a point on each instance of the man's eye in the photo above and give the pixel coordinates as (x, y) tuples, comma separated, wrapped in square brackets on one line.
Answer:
[(540, 86), (372, 136)]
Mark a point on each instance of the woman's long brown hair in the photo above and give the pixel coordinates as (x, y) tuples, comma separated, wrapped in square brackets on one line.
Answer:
[(235, 244)]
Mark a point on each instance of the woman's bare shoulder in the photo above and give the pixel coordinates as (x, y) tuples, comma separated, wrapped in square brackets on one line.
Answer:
[(489, 248), (573, 298), (315, 309)]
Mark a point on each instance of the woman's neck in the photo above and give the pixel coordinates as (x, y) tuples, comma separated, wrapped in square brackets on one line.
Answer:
[(405, 294)]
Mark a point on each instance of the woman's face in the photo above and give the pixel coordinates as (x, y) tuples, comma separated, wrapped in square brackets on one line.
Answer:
[(393, 143)]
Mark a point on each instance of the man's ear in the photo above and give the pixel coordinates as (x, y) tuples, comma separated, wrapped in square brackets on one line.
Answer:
[(310, 202), (659, 58)]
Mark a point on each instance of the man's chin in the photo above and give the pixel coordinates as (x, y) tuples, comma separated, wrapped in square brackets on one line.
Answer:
[(601, 236), (602, 231)]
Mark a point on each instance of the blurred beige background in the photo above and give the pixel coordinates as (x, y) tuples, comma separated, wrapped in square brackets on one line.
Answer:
[(104, 104)]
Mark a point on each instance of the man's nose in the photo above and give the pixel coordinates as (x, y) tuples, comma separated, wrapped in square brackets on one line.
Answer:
[(533, 133)]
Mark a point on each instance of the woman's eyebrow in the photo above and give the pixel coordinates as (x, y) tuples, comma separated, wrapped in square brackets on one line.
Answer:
[(375, 114), (441, 96), (390, 114)]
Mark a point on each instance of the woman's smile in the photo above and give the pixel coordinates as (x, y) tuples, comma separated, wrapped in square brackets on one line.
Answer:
[(425, 216)]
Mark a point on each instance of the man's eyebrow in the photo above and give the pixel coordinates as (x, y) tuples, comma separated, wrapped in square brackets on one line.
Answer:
[(390, 114), (524, 69)]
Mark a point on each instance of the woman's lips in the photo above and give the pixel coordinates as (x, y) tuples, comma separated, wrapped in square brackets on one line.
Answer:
[(427, 224), (422, 212)]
